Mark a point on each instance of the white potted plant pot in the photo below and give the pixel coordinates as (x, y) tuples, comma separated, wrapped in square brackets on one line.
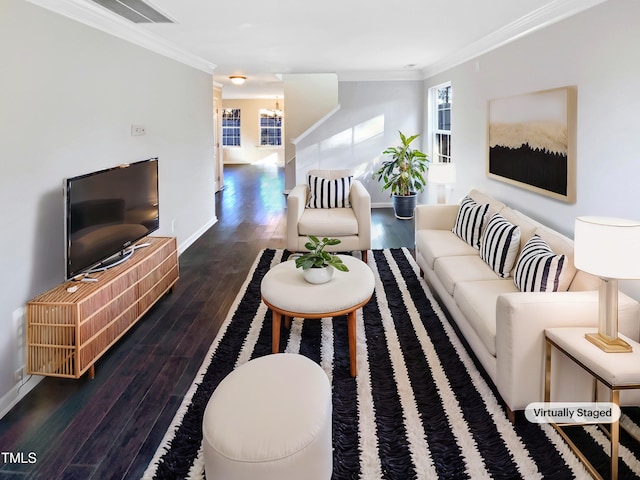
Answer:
[(318, 275), (318, 265)]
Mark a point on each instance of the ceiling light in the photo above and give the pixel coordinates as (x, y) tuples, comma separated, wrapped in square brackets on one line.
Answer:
[(237, 79)]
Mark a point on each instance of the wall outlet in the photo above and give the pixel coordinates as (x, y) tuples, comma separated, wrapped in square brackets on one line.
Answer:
[(173, 226), (137, 130), (18, 375)]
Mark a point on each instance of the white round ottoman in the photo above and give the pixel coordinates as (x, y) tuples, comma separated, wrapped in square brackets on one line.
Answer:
[(270, 419)]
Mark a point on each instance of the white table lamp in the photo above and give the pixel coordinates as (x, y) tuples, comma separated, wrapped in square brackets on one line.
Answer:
[(609, 248), (442, 174)]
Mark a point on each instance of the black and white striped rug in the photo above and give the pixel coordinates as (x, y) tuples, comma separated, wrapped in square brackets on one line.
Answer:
[(419, 407)]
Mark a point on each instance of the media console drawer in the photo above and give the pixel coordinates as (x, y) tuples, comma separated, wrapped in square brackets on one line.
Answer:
[(68, 332)]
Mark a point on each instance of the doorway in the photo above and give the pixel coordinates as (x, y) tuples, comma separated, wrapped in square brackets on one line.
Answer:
[(217, 134)]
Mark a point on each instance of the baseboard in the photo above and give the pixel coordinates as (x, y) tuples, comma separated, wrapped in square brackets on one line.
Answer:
[(197, 234), (17, 393), (382, 205)]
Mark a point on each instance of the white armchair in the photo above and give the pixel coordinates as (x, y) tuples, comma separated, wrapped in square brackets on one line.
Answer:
[(352, 224)]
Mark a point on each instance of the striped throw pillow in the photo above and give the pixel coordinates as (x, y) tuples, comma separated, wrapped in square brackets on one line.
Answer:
[(325, 193), (470, 220), (499, 245), (538, 269)]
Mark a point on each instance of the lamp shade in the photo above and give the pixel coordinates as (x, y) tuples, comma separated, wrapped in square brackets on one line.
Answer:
[(442, 173), (607, 247)]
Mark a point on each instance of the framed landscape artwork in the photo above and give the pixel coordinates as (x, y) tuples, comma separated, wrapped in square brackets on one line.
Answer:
[(532, 142)]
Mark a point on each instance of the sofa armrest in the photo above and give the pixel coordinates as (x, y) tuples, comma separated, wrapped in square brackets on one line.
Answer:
[(521, 319), (436, 217), (361, 204), (296, 203)]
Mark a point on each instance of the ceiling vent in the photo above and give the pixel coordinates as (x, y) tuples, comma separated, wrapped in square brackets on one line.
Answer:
[(136, 11)]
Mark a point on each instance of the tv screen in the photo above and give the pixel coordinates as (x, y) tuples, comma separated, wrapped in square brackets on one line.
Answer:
[(107, 211)]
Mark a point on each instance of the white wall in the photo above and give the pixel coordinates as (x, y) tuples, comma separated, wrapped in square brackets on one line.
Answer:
[(597, 51), (310, 98), (368, 121), (250, 150), (68, 97)]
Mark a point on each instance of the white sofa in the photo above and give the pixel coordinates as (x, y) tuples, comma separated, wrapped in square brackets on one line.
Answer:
[(504, 326)]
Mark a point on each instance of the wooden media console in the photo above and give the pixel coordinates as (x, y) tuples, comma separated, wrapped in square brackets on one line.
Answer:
[(67, 332)]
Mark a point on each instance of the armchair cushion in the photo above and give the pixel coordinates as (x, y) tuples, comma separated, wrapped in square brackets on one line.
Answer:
[(329, 193), (323, 222)]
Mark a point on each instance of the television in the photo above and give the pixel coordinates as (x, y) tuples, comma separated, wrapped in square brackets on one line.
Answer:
[(106, 212)]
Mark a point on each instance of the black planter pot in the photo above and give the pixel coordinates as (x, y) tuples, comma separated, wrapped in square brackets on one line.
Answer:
[(404, 205)]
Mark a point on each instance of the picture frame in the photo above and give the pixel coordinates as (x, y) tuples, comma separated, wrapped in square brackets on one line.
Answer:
[(532, 142)]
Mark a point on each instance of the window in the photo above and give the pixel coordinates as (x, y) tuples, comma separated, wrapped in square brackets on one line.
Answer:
[(270, 127), (230, 127), (441, 98)]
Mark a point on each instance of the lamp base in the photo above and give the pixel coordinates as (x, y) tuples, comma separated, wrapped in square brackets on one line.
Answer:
[(609, 345)]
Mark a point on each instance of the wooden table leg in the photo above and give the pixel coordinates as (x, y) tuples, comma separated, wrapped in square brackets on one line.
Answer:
[(275, 331), (351, 328)]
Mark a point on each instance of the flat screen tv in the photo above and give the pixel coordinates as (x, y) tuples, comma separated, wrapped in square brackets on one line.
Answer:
[(106, 212)]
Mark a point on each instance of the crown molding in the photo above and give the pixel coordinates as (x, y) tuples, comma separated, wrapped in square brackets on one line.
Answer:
[(375, 76), (549, 14), (92, 15)]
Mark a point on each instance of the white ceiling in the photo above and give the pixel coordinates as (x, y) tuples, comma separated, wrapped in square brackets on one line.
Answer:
[(263, 39)]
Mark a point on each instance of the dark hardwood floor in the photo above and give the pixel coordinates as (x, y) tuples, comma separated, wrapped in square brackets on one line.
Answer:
[(109, 427)]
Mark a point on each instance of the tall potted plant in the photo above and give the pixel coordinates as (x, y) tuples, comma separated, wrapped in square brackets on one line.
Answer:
[(404, 174)]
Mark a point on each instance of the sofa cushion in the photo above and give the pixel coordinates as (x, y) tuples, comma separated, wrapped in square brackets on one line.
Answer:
[(441, 243), (561, 245), (584, 281), (325, 222), (500, 244), (477, 301), (539, 269), (495, 206), (527, 225), (470, 221), (329, 193), (461, 268)]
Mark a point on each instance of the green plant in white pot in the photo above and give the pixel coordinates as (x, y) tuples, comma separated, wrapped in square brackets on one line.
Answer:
[(318, 265), (404, 173)]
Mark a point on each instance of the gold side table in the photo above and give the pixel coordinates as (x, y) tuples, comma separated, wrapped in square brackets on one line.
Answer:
[(617, 371)]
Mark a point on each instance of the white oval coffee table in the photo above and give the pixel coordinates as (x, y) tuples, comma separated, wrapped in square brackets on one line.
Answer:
[(285, 291)]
